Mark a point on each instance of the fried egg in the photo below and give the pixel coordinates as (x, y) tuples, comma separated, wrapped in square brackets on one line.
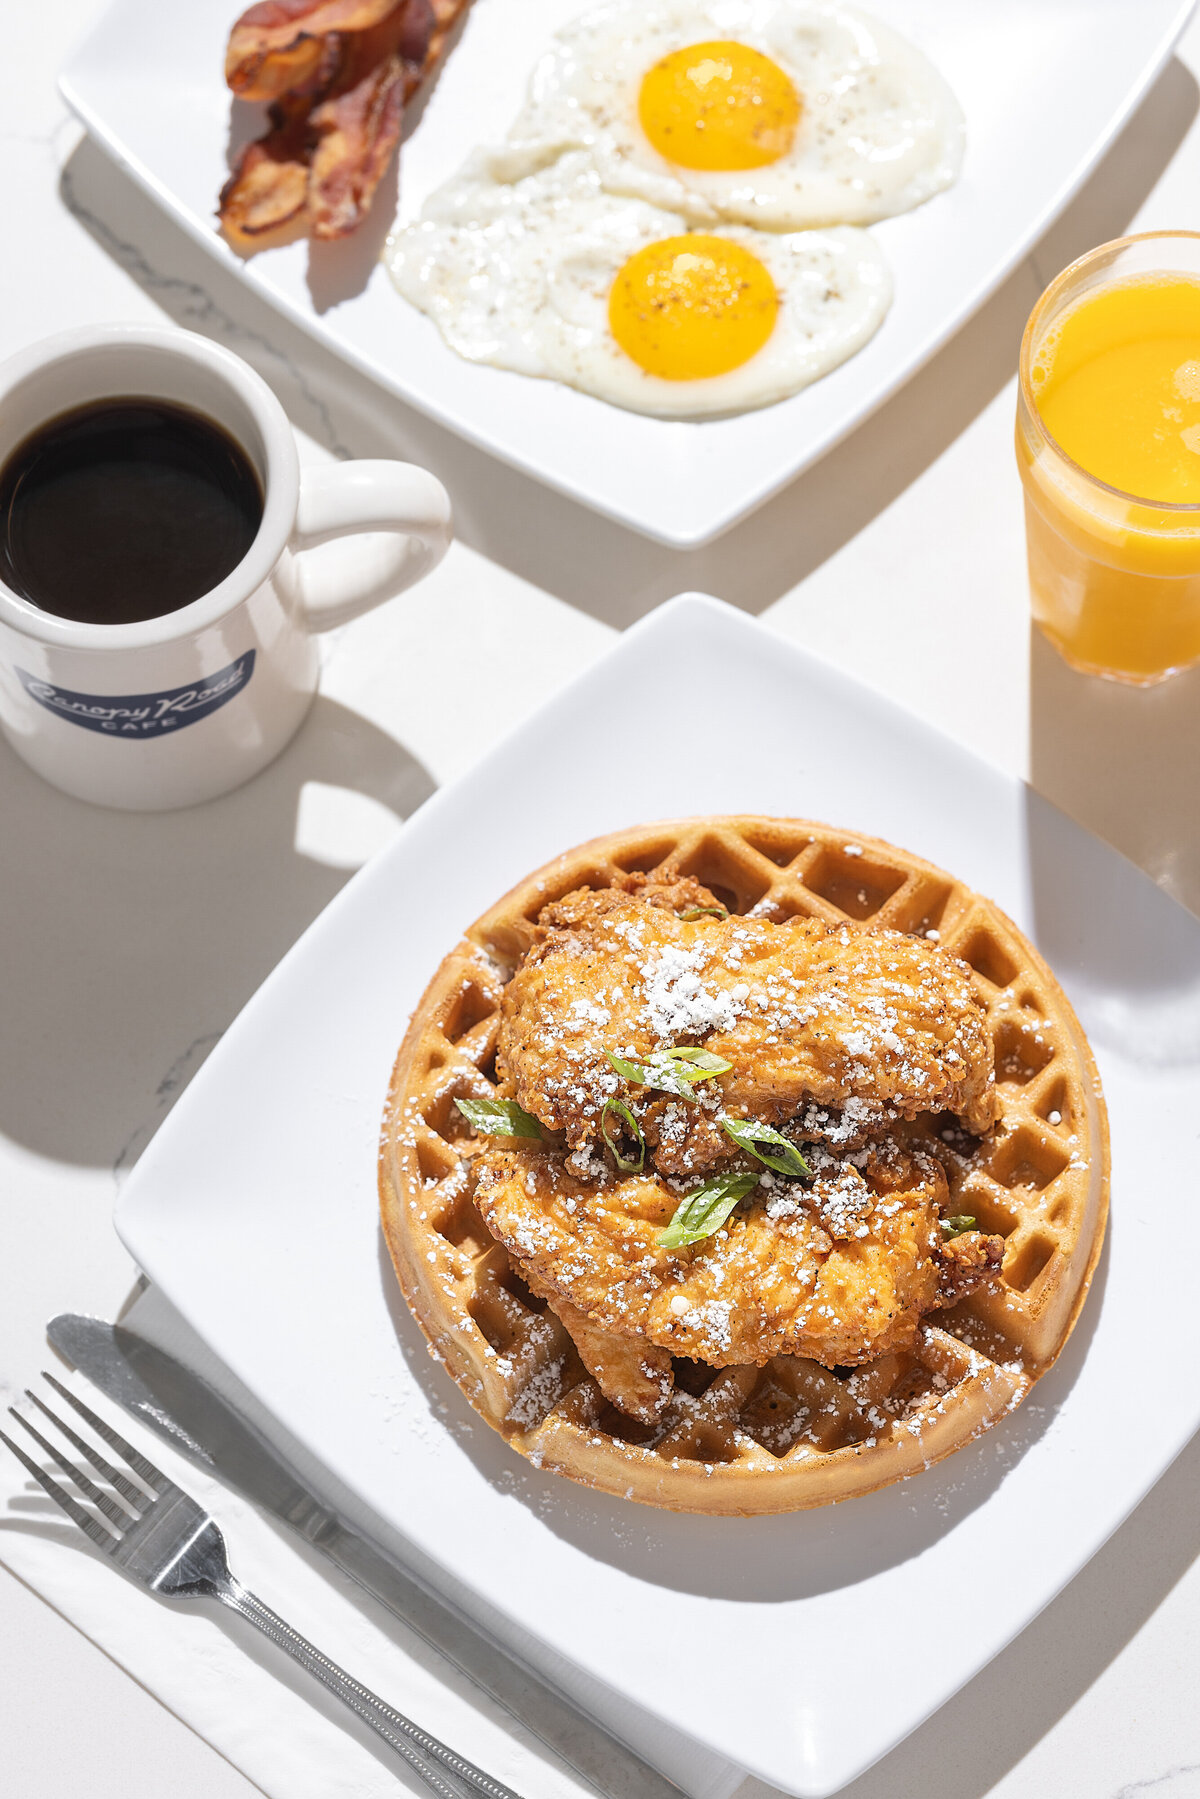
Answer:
[(525, 261), (780, 114)]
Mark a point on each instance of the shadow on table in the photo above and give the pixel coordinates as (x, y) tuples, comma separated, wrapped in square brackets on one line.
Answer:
[(1121, 761), (120, 925), (965, 1750), (558, 545), (1124, 761)]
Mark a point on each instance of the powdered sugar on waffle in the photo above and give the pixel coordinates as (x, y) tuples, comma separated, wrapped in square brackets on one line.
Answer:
[(672, 1013)]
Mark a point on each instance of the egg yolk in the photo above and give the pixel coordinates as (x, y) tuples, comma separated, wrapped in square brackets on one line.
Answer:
[(692, 307), (719, 106)]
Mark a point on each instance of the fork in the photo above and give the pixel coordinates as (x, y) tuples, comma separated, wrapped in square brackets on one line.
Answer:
[(158, 1535)]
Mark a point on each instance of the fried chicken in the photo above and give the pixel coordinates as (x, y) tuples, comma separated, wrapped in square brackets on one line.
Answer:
[(841, 1271), (966, 1261), (835, 1036), (635, 1375), (811, 1016)]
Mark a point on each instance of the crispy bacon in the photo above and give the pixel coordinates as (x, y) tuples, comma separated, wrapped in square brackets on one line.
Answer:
[(266, 196), (357, 124), (335, 127), (279, 45), (446, 15)]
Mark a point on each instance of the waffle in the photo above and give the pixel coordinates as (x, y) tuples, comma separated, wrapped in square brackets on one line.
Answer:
[(792, 1434)]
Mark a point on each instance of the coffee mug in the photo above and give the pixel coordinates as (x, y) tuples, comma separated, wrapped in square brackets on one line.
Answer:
[(182, 707)]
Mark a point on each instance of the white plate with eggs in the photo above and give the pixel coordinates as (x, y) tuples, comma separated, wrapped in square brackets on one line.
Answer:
[(534, 190)]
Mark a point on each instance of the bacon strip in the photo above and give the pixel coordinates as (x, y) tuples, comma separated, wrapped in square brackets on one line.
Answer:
[(358, 123), (278, 45), (333, 133), (266, 196)]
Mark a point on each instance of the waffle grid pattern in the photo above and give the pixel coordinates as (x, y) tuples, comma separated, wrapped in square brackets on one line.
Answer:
[(792, 1434)]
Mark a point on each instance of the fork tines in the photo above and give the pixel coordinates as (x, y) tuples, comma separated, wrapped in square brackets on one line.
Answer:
[(160, 1536), (137, 1499)]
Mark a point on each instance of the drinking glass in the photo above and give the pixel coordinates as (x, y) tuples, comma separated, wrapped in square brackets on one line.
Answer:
[(1114, 577)]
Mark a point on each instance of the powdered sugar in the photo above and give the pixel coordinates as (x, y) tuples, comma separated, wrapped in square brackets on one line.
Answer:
[(677, 1003)]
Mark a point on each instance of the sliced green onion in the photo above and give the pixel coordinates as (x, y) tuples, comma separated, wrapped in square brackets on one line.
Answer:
[(702, 1060), (499, 1117), (705, 1209), (782, 1155), (629, 1071), (954, 1227), (631, 1124), (703, 912), (671, 1070)]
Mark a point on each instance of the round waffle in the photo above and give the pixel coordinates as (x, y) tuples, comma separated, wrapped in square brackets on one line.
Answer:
[(792, 1434)]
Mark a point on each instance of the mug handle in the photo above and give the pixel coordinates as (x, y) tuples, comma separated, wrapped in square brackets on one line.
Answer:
[(351, 498)]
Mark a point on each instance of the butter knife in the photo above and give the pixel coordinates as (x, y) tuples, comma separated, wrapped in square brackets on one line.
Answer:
[(183, 1409)]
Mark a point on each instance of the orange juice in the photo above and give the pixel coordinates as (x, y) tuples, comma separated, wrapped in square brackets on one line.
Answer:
[(1108, 442)]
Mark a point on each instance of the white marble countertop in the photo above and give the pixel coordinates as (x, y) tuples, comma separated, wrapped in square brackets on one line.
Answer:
[(130, 942)]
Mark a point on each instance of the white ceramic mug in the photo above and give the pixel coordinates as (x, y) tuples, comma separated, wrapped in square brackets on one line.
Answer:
[(180, 708)]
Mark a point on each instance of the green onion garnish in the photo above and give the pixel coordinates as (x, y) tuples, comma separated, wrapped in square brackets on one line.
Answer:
[(954, 1227), (702, 1060), (702, 912), (629, 1071), (782, 1155), (671, 1070), (705, 1209), (499, 1117), (624, 1163)]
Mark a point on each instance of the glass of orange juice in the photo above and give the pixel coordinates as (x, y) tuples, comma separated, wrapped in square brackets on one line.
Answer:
[(1108, 445)]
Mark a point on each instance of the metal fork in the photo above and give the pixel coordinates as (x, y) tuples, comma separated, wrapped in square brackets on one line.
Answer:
[(159, 1536)]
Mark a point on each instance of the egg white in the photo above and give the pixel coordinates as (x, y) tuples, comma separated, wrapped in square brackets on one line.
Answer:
[(879, 132), (515, 257)]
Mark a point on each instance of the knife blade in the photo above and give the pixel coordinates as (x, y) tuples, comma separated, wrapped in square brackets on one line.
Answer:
[(198, 1421)]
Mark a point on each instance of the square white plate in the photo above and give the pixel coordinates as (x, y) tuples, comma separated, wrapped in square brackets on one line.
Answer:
[(800, 1648), (1045, 88)]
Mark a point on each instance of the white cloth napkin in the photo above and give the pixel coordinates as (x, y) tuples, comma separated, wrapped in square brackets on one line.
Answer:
[(241, 1695)]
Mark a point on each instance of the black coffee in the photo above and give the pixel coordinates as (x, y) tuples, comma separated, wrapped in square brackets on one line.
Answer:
[(124, 510)]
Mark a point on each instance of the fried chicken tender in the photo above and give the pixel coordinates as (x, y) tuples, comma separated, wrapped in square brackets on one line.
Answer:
[(840, 1272), (810, 1015), (634, 1375)]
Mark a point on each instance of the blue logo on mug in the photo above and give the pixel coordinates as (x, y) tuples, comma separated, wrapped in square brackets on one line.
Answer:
[(142, 714)]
